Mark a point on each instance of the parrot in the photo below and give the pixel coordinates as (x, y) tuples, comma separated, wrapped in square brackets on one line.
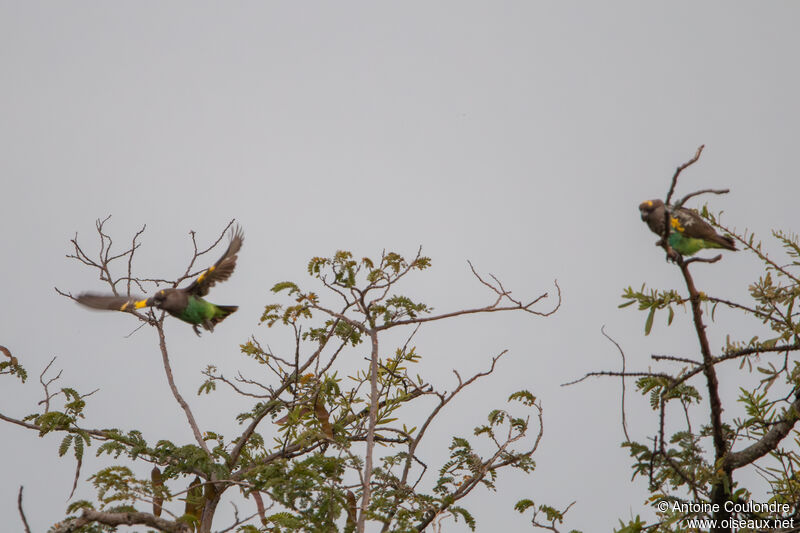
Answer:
[(186, 304), (689, 233)]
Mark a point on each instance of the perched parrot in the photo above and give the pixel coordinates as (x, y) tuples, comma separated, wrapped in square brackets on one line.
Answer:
[(689, 233), (186, 304)]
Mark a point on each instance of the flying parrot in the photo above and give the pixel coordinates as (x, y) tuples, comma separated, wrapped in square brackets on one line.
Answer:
[(185, 304), (689, 233)]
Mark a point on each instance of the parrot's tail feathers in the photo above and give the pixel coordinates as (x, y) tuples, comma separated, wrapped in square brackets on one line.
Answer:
[(223, 311), (727, 242)]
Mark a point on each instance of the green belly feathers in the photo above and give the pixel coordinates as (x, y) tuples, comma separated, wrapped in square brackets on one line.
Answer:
[(688, 245), (198, 311)]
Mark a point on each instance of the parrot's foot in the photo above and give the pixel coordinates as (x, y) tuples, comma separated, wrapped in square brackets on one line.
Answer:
[(196, 330), (673, 255)]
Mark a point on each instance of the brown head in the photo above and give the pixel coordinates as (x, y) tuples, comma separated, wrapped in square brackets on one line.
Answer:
[(647, 207), (170, 300), (653, 214)]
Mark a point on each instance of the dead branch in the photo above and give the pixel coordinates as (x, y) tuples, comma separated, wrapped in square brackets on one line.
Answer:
[(187, 273), (683, 200), (680, 169)]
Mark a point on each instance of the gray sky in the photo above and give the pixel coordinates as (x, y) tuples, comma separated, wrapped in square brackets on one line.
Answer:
[(519, 135)]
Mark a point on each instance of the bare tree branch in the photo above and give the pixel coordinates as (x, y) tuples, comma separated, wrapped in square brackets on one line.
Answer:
[(162, 343), (90, 516), (21, 512), (622, 380), (680, 169), (683, 200), (656, 357)]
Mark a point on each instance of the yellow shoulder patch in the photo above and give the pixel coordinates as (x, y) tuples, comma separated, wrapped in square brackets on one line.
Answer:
[(676, 224), (202, 276), (136, 305)]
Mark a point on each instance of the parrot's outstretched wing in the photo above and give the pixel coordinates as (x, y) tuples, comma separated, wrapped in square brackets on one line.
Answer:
[(221, 270), (111, 302)]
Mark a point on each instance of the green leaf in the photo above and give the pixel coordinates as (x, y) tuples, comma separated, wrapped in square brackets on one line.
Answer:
[(64, 448), (79, 505), (524, 396), (468, 518), (522, 505), (648, 325), (207, 387), (285, 285), (78, 449)]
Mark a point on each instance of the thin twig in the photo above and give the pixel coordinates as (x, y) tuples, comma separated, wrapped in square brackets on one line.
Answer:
[(702, 260), (622, 379), (603, 373), (656, 357), (681, 169), (683, 200), (21, 512)]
